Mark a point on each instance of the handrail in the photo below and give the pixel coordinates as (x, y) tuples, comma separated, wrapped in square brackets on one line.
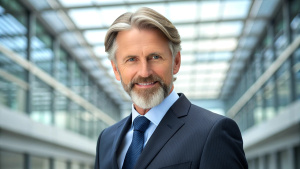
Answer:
[(21, 83)]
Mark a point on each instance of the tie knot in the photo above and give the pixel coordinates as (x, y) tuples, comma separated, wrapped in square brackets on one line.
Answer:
[(141, 123)]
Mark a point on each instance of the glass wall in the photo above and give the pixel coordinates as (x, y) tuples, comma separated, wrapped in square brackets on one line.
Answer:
[(22, 90), (297, 157), (39, 162), (14, 160), (11, 160), (13, 23), (283, 87), (295, 31), (60, 164)]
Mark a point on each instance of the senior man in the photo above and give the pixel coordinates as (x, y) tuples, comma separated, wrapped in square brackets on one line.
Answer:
[(164, 130)]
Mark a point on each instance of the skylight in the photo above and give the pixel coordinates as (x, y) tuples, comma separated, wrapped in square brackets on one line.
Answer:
[(214, 34), (86, 18), (95, 36)]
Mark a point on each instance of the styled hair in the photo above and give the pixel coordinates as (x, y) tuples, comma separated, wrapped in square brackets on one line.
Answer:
[(143, 18)]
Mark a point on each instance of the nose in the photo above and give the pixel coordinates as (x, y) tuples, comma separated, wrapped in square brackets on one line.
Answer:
[(145, 69)]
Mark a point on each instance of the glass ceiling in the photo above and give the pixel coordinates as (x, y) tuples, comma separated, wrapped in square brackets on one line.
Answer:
[(217, 37)]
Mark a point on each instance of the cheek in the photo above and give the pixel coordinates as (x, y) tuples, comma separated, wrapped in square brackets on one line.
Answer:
[(127, 75), (165, 73)]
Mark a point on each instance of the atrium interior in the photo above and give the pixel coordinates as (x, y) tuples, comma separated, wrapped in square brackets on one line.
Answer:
[(240, 58)]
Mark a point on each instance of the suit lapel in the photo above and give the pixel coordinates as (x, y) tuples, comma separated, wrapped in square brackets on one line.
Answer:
[(120, 134), (166, 129)]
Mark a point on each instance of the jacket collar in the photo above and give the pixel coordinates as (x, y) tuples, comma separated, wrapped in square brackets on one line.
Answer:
[(168, 126)]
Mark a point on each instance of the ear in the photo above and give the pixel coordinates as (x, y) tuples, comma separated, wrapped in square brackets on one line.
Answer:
[(177, 62), (115, 69)]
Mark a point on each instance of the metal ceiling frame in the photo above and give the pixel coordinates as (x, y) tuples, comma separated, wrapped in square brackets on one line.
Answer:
[(79, 35), (71, 27)]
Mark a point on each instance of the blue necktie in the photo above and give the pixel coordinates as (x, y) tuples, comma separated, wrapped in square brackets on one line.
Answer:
[(140, 124)]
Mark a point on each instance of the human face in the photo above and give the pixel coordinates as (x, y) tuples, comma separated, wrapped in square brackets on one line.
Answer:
[(145, 66)]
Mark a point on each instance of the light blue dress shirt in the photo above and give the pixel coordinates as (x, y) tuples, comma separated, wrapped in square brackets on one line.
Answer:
[(155, 115)]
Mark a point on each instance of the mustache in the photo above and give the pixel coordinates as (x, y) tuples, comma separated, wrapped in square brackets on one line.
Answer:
[(148, 79)]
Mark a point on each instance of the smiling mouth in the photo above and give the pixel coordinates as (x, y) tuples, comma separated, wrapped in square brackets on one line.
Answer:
[(146, 85)]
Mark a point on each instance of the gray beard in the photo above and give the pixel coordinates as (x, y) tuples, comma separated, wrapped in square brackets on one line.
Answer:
[(147, 98), (147, 102)]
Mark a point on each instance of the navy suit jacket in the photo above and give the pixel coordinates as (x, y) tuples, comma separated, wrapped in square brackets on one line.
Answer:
[(187, 137)]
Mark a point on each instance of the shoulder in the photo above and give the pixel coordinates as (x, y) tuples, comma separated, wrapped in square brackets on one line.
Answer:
[(205, 114), (209, 118), (108, 135), (112, 129), (199, 117)]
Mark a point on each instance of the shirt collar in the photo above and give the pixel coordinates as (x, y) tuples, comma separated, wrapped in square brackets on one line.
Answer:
[(156, 113)]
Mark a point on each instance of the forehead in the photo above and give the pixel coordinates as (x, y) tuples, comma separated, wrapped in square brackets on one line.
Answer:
[(141, 40), (142, 35)]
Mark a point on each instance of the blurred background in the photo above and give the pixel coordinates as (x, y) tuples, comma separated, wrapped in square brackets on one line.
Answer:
[(240, 58)]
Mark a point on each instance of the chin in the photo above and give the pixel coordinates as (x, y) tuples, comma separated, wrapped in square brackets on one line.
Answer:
[(147, 100)]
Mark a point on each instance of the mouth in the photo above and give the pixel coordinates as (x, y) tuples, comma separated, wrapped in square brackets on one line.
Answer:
[(146, 85)]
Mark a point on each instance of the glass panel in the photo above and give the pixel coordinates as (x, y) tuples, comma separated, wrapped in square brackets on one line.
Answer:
[(283, 159), (75, 165), (12, 26), (159, 7), (109, 14), (100, 52), (42, 53), (269, 100), (39, 163), (95, 36), (240, 7), (186, 31), (188, 11), (10, 160), (296, 69), (283, 85), (60, 164), (295, 27), (61, 107), (62, 73), (217, 45), (209, 10), (73, 119), (71, 3), (230, 28), (295, 17), (76, 78), (41, 102), (13, 37), (297, 157), (250, 113), (79, 17), (267, 8), (258, 110), (12, 94), (188, 46)]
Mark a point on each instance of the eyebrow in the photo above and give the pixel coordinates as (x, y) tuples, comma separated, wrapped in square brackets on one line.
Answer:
[(154, 53), (129, 56), (151, 54)]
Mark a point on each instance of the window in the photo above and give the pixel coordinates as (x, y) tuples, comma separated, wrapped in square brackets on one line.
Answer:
[(10, 160), (58, 164)]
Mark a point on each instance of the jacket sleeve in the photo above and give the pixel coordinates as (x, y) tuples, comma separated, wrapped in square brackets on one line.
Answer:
[(224, 147), (97, 161)]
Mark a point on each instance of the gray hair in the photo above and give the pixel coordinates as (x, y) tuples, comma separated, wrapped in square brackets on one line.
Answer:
[(143, 18)]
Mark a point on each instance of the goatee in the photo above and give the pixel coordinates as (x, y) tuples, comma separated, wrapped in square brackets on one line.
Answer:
[(147, 98)]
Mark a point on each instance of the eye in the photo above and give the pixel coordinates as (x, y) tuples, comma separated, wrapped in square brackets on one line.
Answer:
[(131, 59), (155, 57)]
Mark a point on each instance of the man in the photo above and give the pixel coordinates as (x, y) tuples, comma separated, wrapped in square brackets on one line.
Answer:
[(164, 129)]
